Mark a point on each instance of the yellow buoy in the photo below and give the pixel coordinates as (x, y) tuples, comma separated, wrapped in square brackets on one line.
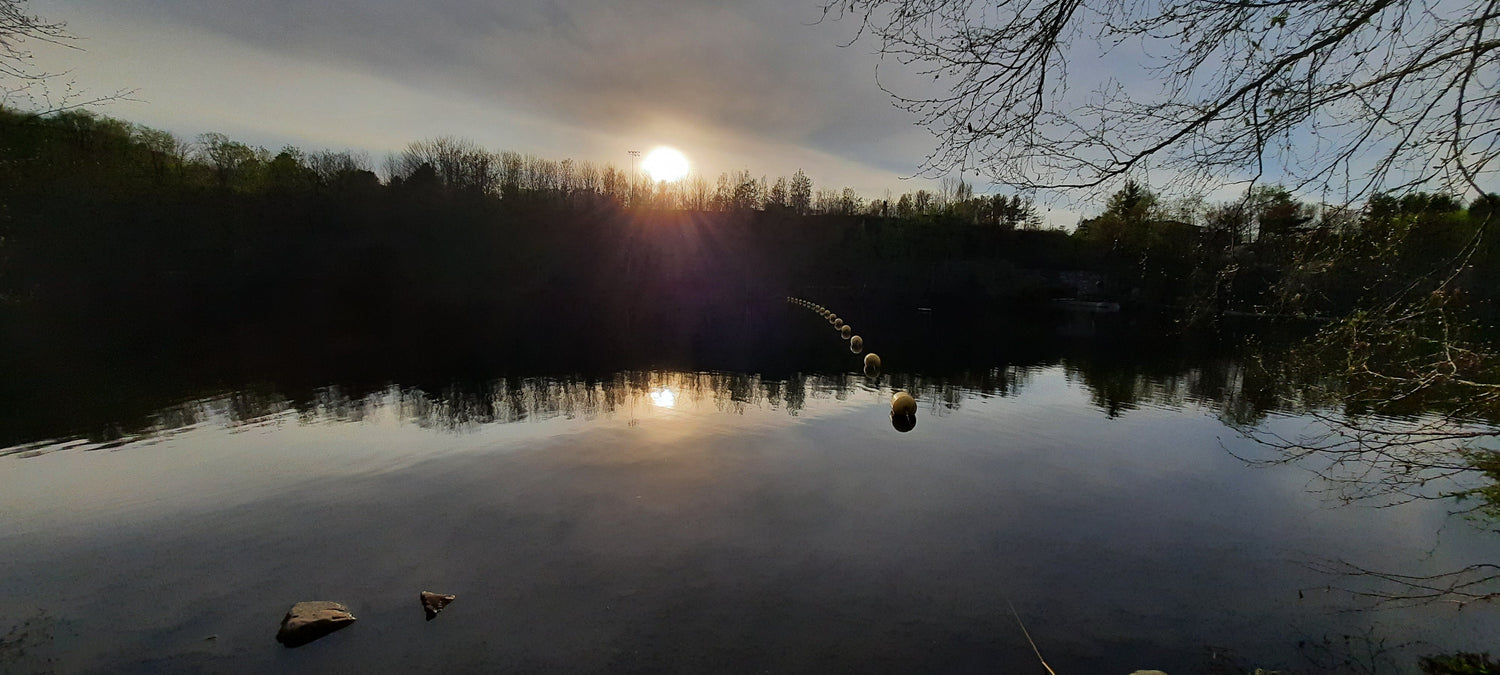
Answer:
[(856, 344), (903, 412), (845, 331), (872, 365), (902, 403), (838, 323)]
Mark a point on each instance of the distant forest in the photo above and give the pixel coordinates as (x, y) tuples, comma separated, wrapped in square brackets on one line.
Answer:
[(107, 227)]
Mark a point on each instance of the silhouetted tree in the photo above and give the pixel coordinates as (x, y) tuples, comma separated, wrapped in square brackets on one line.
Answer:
[(905, 207), (330, 166), (849, 202), (229, 158), (746, 194), (700, 196), (826, 201), (922, 203), (801, 192), (288, 171), (723, 198)]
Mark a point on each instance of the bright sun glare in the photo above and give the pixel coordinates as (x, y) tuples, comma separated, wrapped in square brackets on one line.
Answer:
[(665, 163), (663, 398)]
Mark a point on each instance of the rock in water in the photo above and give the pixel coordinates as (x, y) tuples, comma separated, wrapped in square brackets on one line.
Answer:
[(856, 344), (432, 603), (308, 621)]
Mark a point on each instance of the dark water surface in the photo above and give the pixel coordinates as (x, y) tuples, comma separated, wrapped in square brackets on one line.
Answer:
[(678, 515)]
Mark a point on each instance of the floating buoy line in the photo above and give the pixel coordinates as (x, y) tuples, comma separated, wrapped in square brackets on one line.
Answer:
[(903, 405)]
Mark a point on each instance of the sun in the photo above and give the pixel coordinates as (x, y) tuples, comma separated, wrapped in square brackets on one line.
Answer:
[(665, 163)]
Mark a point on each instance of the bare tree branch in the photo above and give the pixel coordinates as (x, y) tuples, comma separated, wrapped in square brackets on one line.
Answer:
[(1361, 97), (21, 83)]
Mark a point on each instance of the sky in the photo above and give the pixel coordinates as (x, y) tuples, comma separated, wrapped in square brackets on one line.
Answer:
[(759, 85)]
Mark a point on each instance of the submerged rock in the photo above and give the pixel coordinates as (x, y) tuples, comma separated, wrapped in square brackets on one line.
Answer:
[(432, 603), (308, 621)]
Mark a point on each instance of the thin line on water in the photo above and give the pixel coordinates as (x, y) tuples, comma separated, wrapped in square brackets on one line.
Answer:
[(1038, 652)]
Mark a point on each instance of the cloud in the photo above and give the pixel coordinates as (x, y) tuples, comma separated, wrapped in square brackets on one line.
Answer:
[(747, 74)]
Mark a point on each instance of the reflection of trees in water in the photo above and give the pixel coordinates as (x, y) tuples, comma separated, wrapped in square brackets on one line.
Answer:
[(1425, 455), (1238, 391), (1386, 460), (1364, 444), (1374, 438), (1242, 394), (1436, 450), (939, 395), (534, 399), (542, 398), (458, 406)]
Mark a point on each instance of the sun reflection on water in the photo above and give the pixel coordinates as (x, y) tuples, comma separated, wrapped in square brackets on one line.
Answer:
[(663, 398)]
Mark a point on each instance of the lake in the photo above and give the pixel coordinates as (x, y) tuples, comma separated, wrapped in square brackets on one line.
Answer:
[(715, 504)]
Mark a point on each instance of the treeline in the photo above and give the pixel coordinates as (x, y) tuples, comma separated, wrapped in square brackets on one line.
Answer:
[(113, 236), (461, 165), (108, 224), (1268, 252)]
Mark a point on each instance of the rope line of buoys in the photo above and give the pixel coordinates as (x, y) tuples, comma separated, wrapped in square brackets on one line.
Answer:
[(903, 405), (846, 331)]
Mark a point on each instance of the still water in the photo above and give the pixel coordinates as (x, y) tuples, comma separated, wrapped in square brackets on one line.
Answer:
[(720, 521)]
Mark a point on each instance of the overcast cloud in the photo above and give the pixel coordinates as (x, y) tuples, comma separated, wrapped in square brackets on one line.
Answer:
[(734, 85)]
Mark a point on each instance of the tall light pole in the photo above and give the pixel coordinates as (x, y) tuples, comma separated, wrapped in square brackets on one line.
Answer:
[(635, 174)]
